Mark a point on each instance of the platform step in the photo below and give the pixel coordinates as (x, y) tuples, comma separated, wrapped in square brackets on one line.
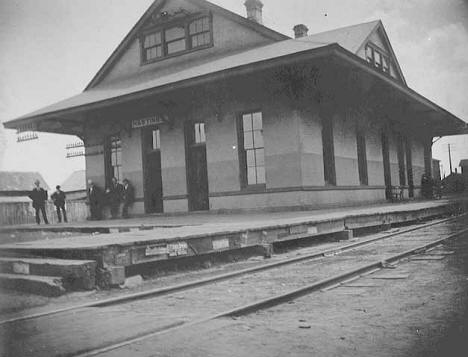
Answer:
[(39, 285), (75, 274)]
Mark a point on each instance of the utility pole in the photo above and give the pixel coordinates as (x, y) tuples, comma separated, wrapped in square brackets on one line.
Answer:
[(450, 158)]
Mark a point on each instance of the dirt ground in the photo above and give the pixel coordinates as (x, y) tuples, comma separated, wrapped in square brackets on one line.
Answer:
[(418, 309)]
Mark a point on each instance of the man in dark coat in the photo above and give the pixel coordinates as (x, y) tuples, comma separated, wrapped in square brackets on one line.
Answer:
[(128, 196), (114, 197), (39, 197), (94, 200), (59, 201)]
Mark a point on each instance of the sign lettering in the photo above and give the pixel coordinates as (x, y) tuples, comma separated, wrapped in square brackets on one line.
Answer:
[(175, 249), (140, 123), (159, 249), (219, 244)]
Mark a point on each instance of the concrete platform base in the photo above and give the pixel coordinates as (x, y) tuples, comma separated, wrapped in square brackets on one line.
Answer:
[(74, 274), (39, 285), (114, 255)]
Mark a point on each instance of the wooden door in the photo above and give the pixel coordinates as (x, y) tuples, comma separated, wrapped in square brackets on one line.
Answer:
[(386, 167), (152, 180), (196, 165)]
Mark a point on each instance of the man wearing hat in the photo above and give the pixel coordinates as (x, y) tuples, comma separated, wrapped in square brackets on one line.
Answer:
[(39, 197), (128, 196), (59, 201)]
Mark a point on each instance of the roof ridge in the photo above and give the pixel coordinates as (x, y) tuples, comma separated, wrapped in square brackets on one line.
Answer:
[(345, 27)]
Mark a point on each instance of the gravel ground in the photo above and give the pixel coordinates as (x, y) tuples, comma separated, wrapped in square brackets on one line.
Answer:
[(418, 309)]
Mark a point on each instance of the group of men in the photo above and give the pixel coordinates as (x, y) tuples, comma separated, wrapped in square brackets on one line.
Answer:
[(114, 195), (39, 197)]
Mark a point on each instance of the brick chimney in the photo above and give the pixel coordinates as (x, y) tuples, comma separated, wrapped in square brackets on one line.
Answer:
[(254, 10), (300, 30)]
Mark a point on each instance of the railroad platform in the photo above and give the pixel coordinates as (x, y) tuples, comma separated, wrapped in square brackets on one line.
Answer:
[(153, 240)]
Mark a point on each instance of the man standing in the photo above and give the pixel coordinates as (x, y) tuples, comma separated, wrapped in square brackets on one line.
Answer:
[(128, 195), (59, 201), (114, 196), (39, 197), (94, 200)]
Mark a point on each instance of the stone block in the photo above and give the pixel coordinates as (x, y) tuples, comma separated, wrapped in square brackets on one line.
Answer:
[(109, 276)]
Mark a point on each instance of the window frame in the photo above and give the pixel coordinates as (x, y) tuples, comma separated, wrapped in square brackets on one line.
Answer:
[(385, 59), (242, 152), (178, 22)]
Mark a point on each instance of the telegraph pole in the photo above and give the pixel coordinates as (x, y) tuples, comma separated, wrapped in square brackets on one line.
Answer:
[(450, 158)]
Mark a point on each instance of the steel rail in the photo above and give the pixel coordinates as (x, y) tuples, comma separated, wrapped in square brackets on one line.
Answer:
[(210, 280), (279, 299)]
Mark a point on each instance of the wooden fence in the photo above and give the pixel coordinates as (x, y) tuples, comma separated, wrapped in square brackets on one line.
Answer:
[(12, 213)]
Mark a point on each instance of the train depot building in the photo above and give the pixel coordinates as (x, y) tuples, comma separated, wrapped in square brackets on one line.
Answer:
[(204, 109)]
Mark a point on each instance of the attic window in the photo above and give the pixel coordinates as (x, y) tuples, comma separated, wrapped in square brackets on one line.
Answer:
[(175, 38), (377, 58)]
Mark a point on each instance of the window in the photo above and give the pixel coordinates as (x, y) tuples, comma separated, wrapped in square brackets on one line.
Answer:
[(176, 39), (199, 31), (362, 158), (251, 149), (156, 139), (113, 157), (329, 172), (152, 46), (386, 65), (199, 136), (378, 59), (369, 54)]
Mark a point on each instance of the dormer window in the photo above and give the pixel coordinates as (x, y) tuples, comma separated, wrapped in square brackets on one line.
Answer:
[(200, 34), (152, 46), (378, 58), (177, 37)]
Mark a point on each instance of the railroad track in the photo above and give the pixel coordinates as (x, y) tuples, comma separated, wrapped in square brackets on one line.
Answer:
[(274, 283)]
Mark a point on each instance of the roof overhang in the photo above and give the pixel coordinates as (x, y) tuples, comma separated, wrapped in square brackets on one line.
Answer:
[(443, 122)]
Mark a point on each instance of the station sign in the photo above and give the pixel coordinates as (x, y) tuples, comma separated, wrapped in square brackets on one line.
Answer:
[(141, 123)]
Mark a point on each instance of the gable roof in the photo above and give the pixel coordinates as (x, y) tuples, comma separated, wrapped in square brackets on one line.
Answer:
[(156, 6), (342, 43), (75, 182), (463, 162), (20, 181), (355, 37), (381, 28), (348, 37)]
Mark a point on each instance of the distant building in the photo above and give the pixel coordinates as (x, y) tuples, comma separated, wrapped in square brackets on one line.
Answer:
[(75, 185), (464, 171), (204, 109), (16, 186)]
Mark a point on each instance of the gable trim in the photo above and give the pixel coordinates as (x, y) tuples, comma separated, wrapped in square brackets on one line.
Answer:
[(379, 26), (156, 6)]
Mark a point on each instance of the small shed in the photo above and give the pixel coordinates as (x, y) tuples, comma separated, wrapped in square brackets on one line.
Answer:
[(75, 185), (18, 184)]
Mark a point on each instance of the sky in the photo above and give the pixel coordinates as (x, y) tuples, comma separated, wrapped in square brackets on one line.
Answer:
[(50, 50)]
